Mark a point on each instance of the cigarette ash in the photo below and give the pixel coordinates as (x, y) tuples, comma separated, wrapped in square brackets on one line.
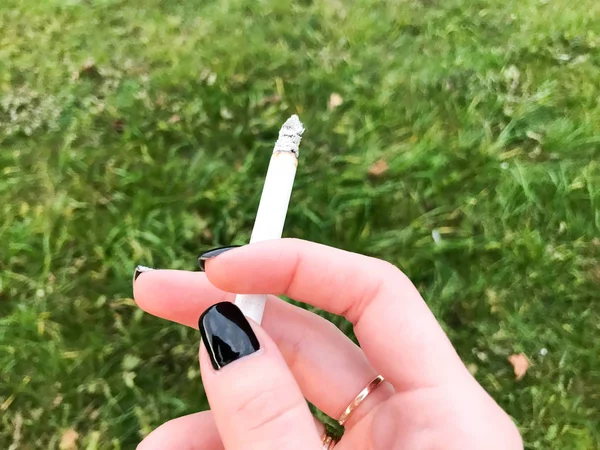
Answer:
[(289, 136)]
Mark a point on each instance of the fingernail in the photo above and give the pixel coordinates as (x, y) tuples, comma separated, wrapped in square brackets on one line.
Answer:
[(140, 270), (226, 334), (212, 254)]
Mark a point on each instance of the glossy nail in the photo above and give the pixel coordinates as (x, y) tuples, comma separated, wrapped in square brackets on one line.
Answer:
[(140, 270), (226, 334), (212, 254)]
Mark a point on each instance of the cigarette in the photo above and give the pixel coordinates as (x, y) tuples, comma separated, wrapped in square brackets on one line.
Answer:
[(274, 202)]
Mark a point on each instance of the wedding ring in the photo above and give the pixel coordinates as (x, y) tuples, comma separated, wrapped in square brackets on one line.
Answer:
[(374, 384), (327, 441)]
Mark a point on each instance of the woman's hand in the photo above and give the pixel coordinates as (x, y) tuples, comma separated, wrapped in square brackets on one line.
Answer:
[(428, 401)]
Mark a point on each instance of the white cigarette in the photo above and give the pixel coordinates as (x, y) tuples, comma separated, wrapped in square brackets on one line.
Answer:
[(274, 202)]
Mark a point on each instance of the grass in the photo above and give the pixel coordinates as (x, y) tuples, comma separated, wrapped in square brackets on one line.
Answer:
[(137, 132)]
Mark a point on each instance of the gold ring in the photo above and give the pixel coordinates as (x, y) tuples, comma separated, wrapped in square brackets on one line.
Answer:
[(327, 441), (374, 384)]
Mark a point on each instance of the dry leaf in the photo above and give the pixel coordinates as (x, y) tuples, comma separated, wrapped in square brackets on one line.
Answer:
[(68, 440), (174, 118), (520, 363), (335, 100), (118, 125), (379, 168)]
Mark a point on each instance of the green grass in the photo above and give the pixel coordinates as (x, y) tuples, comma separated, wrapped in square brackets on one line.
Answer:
[(139, 132)]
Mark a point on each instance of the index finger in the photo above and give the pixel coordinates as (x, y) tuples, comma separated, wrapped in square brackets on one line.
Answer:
[(393, 324)]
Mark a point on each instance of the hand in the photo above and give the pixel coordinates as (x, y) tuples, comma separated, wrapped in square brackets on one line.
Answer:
[(428, 401)]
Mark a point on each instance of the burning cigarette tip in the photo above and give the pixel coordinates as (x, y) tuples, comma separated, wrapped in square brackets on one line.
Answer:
[(290, 136)]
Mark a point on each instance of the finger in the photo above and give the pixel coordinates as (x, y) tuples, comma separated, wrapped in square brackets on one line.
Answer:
[(176, 295), (329, 368), (254, 398), (396, 329), (193, 432)]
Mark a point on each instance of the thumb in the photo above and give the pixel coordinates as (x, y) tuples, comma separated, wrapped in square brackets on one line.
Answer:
[(254, 398)]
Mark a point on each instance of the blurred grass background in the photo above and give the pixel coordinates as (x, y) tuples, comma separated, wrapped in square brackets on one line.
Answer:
[(458, 139)]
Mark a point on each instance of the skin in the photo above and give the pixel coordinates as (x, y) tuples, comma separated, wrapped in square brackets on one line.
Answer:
[(428, 401)]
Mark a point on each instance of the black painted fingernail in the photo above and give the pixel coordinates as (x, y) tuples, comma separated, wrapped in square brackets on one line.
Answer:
[(226, 334), (140, 270), (212, 254)]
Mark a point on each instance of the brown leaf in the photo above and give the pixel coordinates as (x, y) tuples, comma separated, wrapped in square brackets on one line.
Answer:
[(174, 118), (118, 125), (68, 440), (335, 100), (379, 168), (520, 364)]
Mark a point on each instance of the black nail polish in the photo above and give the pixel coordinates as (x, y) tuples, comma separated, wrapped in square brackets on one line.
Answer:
[(140, 270), (226, 334), (213, 253)]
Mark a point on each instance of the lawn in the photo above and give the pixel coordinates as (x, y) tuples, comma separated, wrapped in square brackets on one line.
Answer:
[(458, 139)]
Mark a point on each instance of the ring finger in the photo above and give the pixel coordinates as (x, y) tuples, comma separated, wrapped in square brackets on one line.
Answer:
[(329, 368)]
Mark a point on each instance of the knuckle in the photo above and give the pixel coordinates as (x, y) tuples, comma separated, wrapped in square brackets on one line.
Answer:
[(386, 268), (268, 408), (387, 275), (297, 349), (391, 274)]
